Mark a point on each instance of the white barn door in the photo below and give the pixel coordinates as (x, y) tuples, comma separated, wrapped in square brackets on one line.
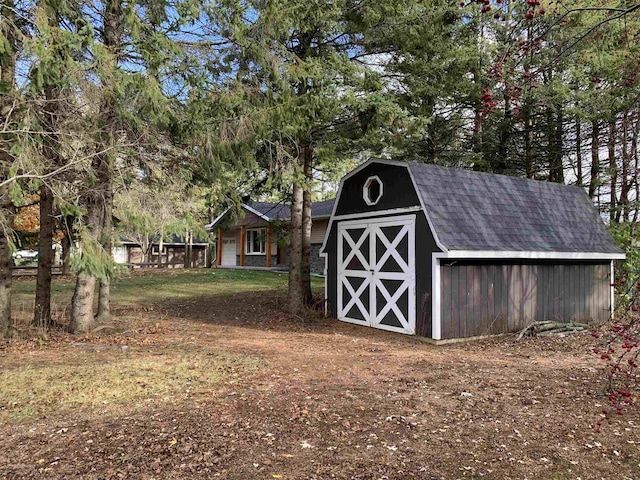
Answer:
[(376, 273)]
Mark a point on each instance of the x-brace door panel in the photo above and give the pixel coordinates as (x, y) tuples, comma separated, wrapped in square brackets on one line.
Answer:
[(376, 273)]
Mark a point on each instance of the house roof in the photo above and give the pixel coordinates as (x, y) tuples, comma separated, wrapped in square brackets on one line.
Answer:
[(480, 211), (279, 211)]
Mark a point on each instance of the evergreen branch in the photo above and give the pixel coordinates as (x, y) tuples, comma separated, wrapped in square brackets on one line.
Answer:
[(622, 12), (55, 172)]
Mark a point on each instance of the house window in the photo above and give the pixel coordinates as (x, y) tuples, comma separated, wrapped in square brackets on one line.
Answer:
[(372, 190), (255, 242)]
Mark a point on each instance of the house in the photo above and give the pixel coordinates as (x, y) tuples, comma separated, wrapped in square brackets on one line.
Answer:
[(144, 252), (259, 237), (445, 253)]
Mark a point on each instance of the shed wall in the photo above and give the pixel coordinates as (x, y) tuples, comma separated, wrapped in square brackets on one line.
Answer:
[(484, 298)]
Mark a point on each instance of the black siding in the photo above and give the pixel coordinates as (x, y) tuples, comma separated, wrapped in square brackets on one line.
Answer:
[(425, 246), (398, 190)]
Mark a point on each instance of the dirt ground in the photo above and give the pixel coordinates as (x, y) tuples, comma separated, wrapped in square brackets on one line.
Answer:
[(337, 401)]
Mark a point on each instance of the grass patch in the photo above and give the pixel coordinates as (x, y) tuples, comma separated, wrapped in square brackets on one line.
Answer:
[(113, 381), (104, 378), (153, 287)]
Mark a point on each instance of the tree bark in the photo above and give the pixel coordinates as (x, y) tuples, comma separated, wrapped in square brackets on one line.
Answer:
[(187, 250), (626, 163), (7, 211), (42, 310), (529, 167), (636, 170), (160, 247), (556, 167), (82, 319), (613, 171), (295, 304), (579, 152), (5, 263), (67, 244), (82, 304), (594, 178), (305, 258), (104, 292)]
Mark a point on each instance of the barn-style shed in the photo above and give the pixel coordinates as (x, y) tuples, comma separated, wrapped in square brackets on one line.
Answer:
[(446, 253)]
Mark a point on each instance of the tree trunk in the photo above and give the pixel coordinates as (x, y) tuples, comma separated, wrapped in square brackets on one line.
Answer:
[(82, 319), (104, 293), (67, 244), (5, 264), (305, 258), (187, 250), (626, 163), (556, 167), (614, 213), (296, 304), (529, 168), (506, 123), (98, 200), (7, 84), (160, 247), (594, 179), (42, 310), (636, 170), (579, 153)]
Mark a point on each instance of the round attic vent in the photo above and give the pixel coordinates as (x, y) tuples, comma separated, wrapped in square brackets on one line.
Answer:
[(372, 190)]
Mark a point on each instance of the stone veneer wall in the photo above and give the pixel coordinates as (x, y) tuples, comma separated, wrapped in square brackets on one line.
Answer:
[(256, 260), (317, 262)]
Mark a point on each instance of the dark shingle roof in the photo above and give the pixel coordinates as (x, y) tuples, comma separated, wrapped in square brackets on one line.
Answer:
[(479, 211), (275, 211), (280, 211)]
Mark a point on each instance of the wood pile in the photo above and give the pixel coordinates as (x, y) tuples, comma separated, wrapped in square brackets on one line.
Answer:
[(551, 327)]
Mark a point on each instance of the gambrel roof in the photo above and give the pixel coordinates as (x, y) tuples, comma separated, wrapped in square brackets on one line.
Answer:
[(480, 211), (483, 215)]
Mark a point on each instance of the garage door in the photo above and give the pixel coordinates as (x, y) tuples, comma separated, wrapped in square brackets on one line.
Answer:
[(228, 251), (376, 273)]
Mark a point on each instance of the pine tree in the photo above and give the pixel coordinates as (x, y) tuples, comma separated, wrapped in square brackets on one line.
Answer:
[(302, 66), (9, 35)]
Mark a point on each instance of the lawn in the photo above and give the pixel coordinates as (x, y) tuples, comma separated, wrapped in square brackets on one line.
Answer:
[(202, 376), (150, 287), (99, 372)]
